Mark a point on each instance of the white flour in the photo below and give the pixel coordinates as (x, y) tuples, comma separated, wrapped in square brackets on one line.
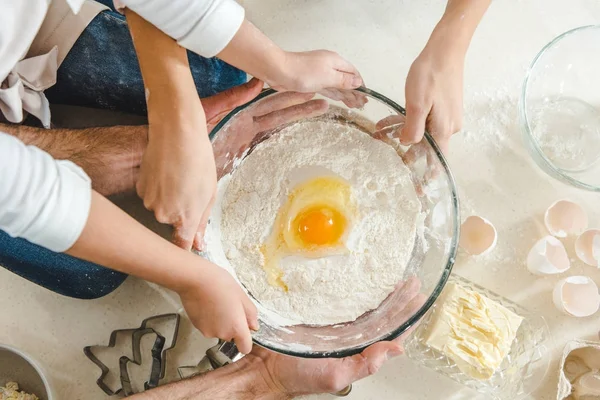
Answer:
[(331, 289)]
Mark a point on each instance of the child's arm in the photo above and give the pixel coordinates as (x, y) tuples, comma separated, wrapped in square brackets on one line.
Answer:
[(50, 203), (177, 175), (214, 302), (434, 86), (218, 27), (309, 71)]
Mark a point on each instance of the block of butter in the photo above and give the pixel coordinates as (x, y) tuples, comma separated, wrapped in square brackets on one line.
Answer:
[(472, 330)]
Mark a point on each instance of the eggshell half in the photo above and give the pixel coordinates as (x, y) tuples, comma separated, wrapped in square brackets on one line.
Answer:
[(587, 247), (577, 296), (564, 218), (477, 236), (548, 256)]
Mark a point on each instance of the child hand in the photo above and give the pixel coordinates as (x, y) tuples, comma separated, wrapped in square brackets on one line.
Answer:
[(313, 71), (219, 308)]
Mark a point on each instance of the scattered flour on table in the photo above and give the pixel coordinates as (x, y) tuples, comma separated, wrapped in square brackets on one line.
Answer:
[(336, 288)]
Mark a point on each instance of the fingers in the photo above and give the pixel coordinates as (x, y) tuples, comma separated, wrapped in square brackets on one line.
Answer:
[(280, 101), (243, 340), (415, 304), (347, 80), (199, 236), (389, 127), (359, 366), (217, 106), (251, 314), (350, 98), (348, 75), (390, 121), (309, 109), (414, 127), (183, 233)]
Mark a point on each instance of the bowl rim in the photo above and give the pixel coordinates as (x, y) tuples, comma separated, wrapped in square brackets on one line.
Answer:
[(35, 364), (410, 322), (534, 146)]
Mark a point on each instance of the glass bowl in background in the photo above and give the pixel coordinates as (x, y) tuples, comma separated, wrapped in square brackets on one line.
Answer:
[(434, 246), (560, 108)]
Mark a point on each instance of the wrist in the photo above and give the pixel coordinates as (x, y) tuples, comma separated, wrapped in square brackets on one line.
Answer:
[(189, 272), (174, 106), (253, 52), (448, 40), (254, 370), (457, 26)]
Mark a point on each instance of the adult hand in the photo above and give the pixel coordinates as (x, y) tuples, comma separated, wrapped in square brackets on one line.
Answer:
[(251, 125), (300, 376)]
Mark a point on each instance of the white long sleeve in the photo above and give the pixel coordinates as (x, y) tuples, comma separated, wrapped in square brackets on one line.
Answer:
[(43, 200), (204, 27)]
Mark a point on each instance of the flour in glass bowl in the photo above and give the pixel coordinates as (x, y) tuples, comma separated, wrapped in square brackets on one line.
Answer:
[(332, 288)]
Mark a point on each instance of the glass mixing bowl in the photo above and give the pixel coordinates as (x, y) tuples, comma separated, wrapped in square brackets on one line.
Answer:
[(560, 108), (434, 246)]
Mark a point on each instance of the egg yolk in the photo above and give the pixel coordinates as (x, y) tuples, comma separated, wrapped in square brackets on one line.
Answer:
[(320, 226), (312, 223)]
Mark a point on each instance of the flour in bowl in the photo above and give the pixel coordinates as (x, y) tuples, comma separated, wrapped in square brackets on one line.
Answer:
[(379, 214)]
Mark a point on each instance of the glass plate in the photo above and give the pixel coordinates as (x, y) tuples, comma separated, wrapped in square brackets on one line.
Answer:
[(521, 371)]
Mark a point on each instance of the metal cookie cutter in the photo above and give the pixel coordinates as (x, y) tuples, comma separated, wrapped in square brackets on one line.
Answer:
[(224, 353), (157, 362), (159, 357)]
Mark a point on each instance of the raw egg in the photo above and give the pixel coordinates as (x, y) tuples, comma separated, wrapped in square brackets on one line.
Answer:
[(313, 222)]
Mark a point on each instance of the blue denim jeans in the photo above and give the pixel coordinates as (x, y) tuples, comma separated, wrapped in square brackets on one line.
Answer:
[(100, 71)]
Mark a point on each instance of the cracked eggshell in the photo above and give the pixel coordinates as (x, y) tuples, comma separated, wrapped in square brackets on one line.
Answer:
[(564, 218), (477, 235), (577, 296), (587, 386), (548, 256), (575, 381), (587, 247)]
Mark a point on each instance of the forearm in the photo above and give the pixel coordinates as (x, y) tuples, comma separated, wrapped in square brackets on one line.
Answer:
[(59, 143), (253, 52), (114, 239), (170, 88), (69, 144), (458, 24), (242, 380)]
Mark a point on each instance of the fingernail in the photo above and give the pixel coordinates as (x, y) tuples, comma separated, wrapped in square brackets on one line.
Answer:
[(357, 81), (393, 353)]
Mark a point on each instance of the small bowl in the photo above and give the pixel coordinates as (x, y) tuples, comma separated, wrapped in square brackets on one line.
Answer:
[(435, 246), (560, 108), (20, 367)]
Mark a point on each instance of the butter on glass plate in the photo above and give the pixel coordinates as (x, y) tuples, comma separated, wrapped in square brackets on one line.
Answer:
[(513, 370)]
